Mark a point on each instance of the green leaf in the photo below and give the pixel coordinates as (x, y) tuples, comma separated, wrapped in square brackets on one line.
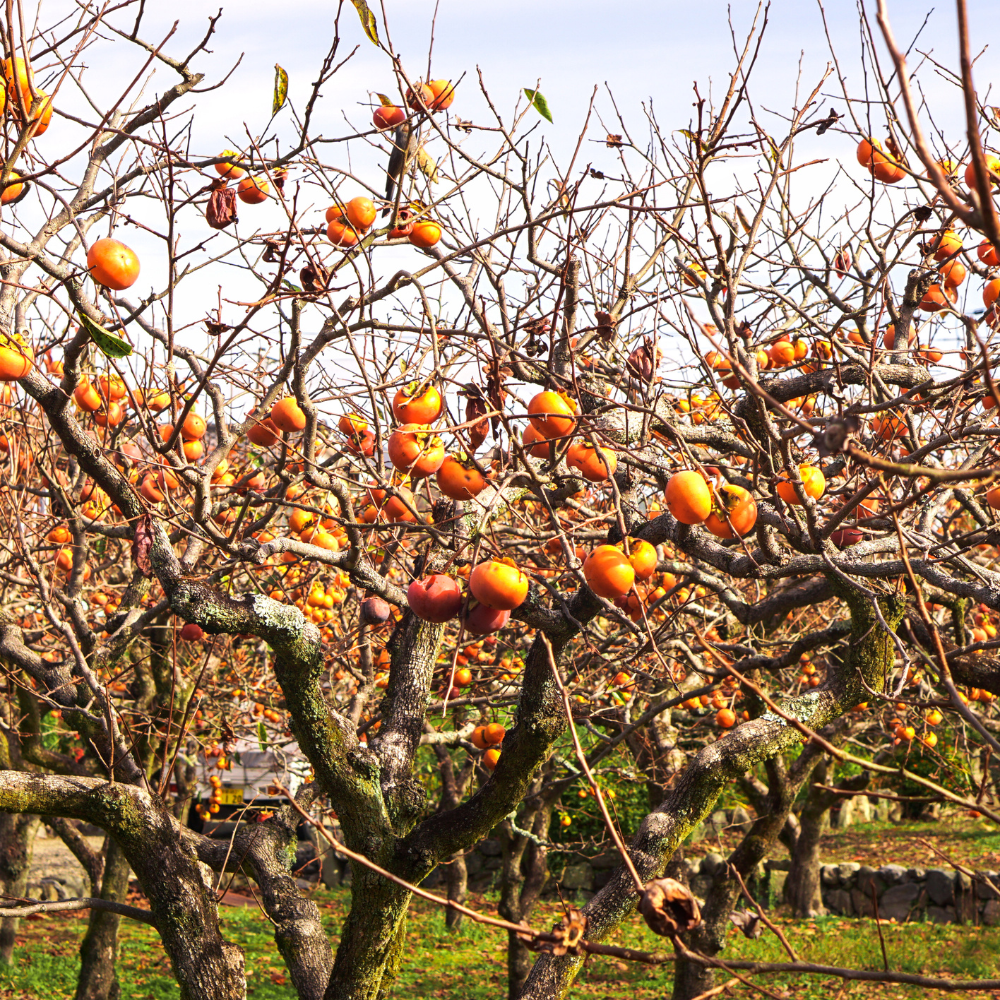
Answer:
[(367, 20), (262, 736), (539, 102), (280, 89), (111, 344)]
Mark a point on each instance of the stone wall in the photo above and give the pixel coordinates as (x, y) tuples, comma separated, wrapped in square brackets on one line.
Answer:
[(935, 894), (903, 894)]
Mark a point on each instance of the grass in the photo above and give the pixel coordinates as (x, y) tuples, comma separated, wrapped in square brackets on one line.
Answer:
[(965, 841), (471, 964)]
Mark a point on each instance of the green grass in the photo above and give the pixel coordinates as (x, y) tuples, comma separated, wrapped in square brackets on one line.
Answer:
[(471, 964)]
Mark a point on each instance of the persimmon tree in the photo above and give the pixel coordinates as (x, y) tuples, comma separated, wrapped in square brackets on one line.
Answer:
[(662, 430)]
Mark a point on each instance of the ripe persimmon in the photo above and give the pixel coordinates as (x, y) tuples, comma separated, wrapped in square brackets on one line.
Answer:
[(725, 718), (262, 432), (442, 94), (782, 353), (87, 397), (112, 387), (421, 98), (14, 364), (596, 464), (361, 212), (194, 427), (13, 190), (642, 556), (388, 116), (491, 758), (397, 508), (813, 485), (991, 291), (478, 738), (417, 403), (435, 598), (110, 415), (341, 233), (688, 497), (59, 535), (937, 298), (735, 514), (352, 425), (992, 167), (252, 190), (39, 110), (887, 170), (535, 444), (987, 253), (482, 620), (865, 151), (953, 272), (230, 170), (498, 584), (494, 733), (552, 414), (459, 480), (287, 415), (608, 571), (299, 520), (113, 264), (946, 245), (17, 74), (425, 233), (415, 449)]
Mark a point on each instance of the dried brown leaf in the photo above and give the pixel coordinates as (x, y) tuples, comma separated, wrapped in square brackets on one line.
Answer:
[(221, 210), (668, 907)]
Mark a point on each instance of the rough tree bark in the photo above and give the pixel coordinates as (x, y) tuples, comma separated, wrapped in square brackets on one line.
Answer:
[(17, 842), (525, 871), (98, 977)]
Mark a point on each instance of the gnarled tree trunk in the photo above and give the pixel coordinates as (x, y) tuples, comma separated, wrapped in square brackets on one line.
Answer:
[(803, 889), (17, 841), (98, 978)]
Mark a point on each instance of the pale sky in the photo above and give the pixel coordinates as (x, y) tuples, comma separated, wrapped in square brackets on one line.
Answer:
[(645, 50)]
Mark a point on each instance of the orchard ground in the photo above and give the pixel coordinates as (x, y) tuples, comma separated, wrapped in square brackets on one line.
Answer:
[(471, 963)]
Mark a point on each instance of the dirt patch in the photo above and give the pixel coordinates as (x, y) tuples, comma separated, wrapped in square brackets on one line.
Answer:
[(51, 858)]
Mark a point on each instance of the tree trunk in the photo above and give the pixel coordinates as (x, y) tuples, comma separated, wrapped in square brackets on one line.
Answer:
[(692, 979), (519, 962), (803, 882), (18, 842), (523, 876), (371, 942), (457, 879), (98, 979)]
